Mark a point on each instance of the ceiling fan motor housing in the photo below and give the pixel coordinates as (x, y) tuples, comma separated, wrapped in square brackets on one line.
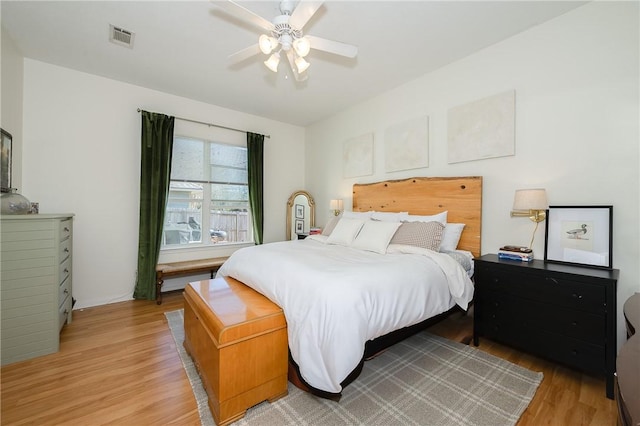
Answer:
[(284, 32)]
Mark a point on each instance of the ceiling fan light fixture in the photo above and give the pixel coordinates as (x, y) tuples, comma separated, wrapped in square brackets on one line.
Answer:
[(302, 65), (272, 62), (267, 44), (302, 46)]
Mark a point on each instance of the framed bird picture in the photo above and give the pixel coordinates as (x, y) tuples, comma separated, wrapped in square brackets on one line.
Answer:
[(579, 235)]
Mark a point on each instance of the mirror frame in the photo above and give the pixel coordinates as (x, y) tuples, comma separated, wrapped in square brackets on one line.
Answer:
[(312, 210)]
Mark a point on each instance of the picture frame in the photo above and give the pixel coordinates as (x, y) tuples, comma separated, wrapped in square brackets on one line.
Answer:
[(299, 226), (6, 141), (579, 235), (299, 211)]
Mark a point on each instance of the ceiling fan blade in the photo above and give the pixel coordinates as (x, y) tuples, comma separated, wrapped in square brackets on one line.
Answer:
[(243, 13), (243, 54), (331, 46), (294, 69), (303, 12)]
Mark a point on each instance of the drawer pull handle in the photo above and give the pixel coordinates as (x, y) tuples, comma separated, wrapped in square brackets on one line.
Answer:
[(576, 296), (66, 271), (66, 311), (66, 229), (66, 250), (66, 291)]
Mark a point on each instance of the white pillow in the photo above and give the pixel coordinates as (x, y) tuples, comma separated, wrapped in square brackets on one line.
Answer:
[(440, 217), (451, 236), (358, 215), (345, 231), (375, 236), (389, 216), (331, 224)]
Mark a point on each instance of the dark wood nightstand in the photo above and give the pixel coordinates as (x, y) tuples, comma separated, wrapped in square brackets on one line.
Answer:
[(563, 313)]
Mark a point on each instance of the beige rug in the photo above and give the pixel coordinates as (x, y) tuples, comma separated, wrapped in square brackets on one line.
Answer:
[(423, 380)]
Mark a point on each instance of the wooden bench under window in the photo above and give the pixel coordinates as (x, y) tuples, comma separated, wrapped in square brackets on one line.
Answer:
[(189, 267)]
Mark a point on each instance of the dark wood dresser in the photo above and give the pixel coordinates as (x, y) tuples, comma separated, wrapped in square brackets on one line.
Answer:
[(628, 364), (560, 312)]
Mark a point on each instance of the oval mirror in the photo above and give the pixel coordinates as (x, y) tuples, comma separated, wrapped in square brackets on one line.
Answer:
[(301, 213)]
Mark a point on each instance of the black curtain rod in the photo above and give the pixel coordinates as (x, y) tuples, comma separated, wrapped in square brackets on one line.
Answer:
[(212, 125)]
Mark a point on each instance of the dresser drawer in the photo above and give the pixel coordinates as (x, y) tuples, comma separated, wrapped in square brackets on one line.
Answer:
[(546, 289), (65, 249), (64, 311), (566, 350), (65, 229), (65, 270), (64, 291), (500, 309)]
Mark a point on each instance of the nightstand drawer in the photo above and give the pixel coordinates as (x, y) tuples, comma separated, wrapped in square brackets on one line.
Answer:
[(548, 290)]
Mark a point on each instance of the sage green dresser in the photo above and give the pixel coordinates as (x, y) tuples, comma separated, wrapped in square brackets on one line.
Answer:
[(35, 283)]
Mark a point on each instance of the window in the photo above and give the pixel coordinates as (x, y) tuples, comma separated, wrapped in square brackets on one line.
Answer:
[(208, 195)]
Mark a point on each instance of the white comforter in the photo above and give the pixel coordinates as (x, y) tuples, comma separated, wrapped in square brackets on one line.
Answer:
[(336, 298)]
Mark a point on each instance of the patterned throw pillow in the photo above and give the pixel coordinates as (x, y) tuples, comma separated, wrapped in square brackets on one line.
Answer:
[(420, 234)]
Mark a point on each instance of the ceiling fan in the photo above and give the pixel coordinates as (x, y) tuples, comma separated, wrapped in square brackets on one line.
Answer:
[(285, 36)]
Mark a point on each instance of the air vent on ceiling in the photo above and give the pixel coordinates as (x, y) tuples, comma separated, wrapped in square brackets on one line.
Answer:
[(121, 36)]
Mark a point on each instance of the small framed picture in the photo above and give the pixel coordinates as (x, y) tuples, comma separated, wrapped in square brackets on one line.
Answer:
[(299, 211), (579, 235), (5, 160), (299, 226)]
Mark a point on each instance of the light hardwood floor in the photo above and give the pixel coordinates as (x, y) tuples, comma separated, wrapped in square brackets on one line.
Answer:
[(118, 365)]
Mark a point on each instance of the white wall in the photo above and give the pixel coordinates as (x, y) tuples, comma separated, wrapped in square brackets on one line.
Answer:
[(82, 155), (11, 103), (576, 83)]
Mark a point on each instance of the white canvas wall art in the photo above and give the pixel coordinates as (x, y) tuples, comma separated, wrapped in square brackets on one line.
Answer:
[(482, 129), (357, 156), (406, 145)]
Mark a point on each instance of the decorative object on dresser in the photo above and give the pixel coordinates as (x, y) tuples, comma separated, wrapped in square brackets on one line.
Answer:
[(10, 201), (628, 367), (520, 253), (36, 289), (580, 235), (561, 312), (531, 203)]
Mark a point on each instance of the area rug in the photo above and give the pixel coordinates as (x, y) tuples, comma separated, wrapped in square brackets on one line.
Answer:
[(423, 380)]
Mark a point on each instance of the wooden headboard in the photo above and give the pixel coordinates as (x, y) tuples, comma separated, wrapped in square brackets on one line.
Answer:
[(460, 196)]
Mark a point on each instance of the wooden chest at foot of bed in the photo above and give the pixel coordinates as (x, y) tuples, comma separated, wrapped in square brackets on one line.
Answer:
[(238, 341)]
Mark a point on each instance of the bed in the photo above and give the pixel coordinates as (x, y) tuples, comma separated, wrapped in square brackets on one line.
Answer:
[(345, 299)]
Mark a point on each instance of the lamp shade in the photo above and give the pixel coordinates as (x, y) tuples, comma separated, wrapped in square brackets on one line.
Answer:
[(302, 46), (267, 44), (273, 61), (336, 205), (302, 65), (530, 199)]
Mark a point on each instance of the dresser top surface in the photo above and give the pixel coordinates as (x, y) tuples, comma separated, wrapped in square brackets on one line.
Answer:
[(36, 216), (540, 265)]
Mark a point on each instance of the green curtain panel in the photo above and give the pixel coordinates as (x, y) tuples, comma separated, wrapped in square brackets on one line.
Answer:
[(155, 171), (255, 156)]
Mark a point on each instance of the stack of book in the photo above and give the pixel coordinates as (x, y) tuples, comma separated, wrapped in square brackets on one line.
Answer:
[(523, 254), (315, 231)]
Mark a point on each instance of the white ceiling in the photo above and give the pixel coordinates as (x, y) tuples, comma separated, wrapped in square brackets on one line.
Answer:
[(181, 47)]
